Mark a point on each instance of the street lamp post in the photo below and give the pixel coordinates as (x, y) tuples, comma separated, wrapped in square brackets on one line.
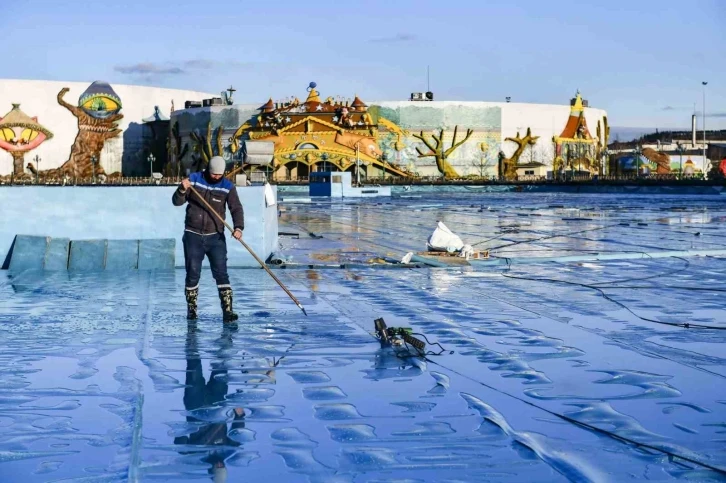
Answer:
[(565, 159), (357, 164), (637, 160), (704, 83), (679, 146), (151, 160), (384, 158), (37, 167)]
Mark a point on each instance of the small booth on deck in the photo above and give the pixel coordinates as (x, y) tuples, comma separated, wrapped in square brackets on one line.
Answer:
[(338, 184)]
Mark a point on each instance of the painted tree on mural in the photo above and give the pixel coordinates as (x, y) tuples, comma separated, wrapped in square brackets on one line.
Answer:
[(203, 149), (509, 165), (602, 141), (537, 154), (438, 152), (98, 117), (481, 166)]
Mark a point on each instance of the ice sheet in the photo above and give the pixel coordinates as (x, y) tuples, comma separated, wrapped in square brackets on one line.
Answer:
[(102, 378)]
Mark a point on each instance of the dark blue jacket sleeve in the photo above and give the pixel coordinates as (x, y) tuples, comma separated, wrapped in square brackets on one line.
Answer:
[(235, 207), (180, 197)]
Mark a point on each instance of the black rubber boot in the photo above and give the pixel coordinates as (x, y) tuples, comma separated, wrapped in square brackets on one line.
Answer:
[(225, 296), (192, 303)]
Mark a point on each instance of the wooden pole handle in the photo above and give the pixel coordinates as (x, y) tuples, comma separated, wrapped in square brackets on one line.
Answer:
[(262, 264)]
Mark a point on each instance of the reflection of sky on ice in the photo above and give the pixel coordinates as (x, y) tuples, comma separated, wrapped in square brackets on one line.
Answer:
[(102, 378)]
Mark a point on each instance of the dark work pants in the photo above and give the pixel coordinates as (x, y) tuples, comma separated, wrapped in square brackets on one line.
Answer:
[(195, 248)]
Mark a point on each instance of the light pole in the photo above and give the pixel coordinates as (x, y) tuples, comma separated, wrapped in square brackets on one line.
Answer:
[(637, 160), (357, 164), (704, 83), (151, 160), (384, 158), (679, 146), (37, 167), (93, 167)]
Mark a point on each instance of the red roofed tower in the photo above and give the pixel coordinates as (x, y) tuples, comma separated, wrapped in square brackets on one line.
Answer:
[(575, 148)]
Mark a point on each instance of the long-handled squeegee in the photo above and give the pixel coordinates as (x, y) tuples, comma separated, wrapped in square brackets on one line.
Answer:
[(282, 286)]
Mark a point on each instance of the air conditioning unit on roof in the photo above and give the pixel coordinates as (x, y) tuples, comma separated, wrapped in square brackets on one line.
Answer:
[(258, 152)]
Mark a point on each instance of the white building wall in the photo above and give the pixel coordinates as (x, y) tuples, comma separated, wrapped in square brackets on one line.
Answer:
[(37, 98), (545, 121)]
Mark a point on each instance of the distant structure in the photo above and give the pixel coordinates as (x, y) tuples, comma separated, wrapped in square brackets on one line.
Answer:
[(155, 139), (227, 96), (575, 148), (383, 139), (318, 134)]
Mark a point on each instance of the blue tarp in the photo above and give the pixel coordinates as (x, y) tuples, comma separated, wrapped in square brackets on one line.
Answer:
[(45, 253)]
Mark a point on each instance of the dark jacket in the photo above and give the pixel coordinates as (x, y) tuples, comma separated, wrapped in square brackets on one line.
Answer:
[(220, 195)]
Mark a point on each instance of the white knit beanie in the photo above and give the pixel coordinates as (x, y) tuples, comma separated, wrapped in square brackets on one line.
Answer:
[(217, 165)]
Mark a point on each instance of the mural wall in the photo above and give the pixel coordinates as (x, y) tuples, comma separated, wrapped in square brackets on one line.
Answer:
[(453, 140), (19, 134), (78, 128), (446, 139), (651, 161)]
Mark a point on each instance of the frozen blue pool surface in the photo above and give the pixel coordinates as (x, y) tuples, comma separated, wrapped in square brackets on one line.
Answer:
[(559, 371)]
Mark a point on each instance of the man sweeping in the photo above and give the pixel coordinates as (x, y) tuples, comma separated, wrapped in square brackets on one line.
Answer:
[(204, 232)]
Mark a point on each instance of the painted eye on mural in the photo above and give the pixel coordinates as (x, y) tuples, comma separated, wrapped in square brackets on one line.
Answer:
[(100, 100), (101, 106), (7, 134), (29, 135)]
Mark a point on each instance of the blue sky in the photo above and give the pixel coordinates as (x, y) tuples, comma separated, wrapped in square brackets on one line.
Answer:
[(642, 60)]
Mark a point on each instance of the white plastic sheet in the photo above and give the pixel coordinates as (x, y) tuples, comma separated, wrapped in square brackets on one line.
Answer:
[(443, 239), (269, 195)]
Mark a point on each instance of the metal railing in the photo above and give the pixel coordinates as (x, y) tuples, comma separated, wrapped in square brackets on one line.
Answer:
[(671, 178), (90, 181)]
